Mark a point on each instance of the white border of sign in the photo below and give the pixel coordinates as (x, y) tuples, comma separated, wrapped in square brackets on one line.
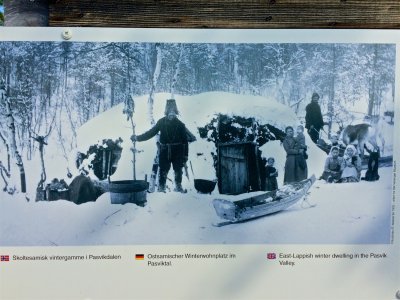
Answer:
[(249, 275)]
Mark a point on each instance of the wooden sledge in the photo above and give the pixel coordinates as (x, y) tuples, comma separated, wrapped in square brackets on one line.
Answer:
[(244, 207)]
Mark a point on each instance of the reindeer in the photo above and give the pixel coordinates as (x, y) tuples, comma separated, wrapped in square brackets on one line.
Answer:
[(363, 135)]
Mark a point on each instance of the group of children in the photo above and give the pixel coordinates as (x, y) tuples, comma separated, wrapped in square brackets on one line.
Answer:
[(346, 167), (343, 163)]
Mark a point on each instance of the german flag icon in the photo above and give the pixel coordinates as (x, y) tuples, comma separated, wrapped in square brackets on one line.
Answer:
[(139, 256)]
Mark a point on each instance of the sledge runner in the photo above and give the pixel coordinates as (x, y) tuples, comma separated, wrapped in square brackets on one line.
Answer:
[(174, 146)]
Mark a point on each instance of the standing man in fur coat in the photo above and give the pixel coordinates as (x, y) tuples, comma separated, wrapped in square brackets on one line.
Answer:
[(314, 121), (174, 146)]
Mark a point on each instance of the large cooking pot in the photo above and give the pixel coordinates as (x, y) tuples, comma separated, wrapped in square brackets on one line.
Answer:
[(204, 186)]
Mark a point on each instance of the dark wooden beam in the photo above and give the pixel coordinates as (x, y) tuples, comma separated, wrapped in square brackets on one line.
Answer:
[(26, 12), (226, 13)]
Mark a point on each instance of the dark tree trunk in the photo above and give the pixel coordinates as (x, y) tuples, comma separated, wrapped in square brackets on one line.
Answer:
[(8, 152)]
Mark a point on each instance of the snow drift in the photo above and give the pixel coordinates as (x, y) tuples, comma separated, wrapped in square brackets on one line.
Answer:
[(353, 213)]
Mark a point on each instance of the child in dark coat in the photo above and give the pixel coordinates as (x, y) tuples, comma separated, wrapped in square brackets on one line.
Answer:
[(271, 184), (301, 140), (373, 164), (333, 166), (301, 145), (336, 143)]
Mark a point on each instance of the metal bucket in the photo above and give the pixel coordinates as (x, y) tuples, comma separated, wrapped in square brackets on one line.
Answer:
[(129, 191), (204, 186)]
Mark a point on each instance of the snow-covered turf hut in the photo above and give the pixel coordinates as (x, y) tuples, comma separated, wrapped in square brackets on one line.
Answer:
[(196, 112)]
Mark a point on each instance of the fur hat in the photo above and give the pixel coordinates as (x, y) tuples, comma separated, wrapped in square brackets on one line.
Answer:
[(315, 96), (170, 106), (352, 148), (334, 148)]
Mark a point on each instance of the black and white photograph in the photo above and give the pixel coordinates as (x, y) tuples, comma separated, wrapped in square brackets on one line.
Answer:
[(155, 143)]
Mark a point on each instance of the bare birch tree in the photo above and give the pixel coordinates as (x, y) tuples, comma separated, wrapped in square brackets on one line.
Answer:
[(177, 69), (156, 74), (12, 136)]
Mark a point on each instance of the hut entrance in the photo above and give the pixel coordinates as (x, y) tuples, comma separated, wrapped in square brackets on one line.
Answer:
[(238, 168)]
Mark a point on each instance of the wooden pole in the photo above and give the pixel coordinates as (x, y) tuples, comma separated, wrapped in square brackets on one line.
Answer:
[(134, 150)]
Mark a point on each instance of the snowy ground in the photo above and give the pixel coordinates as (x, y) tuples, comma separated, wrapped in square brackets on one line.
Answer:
[(353, 213)]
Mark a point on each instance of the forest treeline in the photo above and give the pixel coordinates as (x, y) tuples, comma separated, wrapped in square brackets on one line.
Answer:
[(58, 86)]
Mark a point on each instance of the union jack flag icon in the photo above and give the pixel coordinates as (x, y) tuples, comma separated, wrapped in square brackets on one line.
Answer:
[(4, 258), (271, 255)]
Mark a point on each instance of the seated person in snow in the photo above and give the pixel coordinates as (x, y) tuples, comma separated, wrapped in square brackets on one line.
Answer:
[(271, 173), (336, 143), (373, 164), (333, 166), (351, 165)]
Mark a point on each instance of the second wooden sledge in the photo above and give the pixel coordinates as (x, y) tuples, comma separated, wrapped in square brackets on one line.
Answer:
[(244, 207)]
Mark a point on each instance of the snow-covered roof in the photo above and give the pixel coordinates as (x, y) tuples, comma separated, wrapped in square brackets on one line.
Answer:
[(195, 111)]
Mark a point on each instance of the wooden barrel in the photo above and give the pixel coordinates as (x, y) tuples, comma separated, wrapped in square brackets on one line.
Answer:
[(129, 191)]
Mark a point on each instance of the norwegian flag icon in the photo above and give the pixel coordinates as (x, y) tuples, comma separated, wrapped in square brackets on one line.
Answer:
[(271, 255), (4, 258)]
